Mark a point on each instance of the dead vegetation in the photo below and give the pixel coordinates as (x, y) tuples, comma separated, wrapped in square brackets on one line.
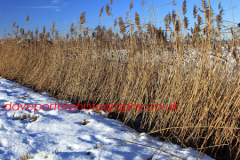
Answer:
[(137, 62)]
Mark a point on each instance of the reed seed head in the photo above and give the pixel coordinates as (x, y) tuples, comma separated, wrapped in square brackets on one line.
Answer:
[(36, 31), (82, 18), (31, 35), (169, 18), (27, 19), (101, 11), (86, 32), (177, 26), (127, 15), (44, 30), (137, 20), (199, 19), (219, 6), (72, 28), (22, 31), (121, 25), (67, 36), (184, 7), (56, 35), (219, 19), (204, 4), (208, 14), (142, 3), (47, 35), (53, 25), (108, 10), (28, 32), (131, 5), (195, 11), (185, 20), (115, 22), (173, 16)]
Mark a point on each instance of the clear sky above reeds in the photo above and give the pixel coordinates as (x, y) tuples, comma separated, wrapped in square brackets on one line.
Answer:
[(65, 12)]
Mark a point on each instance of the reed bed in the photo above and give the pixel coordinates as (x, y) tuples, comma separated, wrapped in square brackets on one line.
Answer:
[(136, 62)]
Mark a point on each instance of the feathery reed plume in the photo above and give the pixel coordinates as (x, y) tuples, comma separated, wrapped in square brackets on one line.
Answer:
[(110, 32), (205, 29), (111, 2), (142, 3), (192, 30), (131, 5), (28, 32), (185, 21), (173, 16), (184, 7), (86, 32), (36, 32), (219, 6), (127, 15), (67, 36), (22, 31), (72, 28), (47, 35), (173, 3), (27, 19), (41, 36), (16, 32), (31, 35), (166, 22), (197, 28), (204, 4), (149, 28), (199, 19), (52, 28), (208, 14), (44, 30), (177, 26), (82, 18), (108, 10), (121, 25), (195, 11), (219, 19), (101, 11), (93, 34), (137, 20), (53, 25), (221, 11), (115, 22), (14, 23), (56, 35), (169, 18)]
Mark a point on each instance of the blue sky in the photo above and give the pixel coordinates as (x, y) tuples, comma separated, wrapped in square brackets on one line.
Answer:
[(65, 12)]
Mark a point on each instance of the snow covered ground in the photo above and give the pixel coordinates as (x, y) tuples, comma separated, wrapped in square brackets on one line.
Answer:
[(61, 135)]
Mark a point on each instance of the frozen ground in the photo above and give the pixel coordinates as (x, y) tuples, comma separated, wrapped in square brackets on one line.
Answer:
[(61, 135)]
